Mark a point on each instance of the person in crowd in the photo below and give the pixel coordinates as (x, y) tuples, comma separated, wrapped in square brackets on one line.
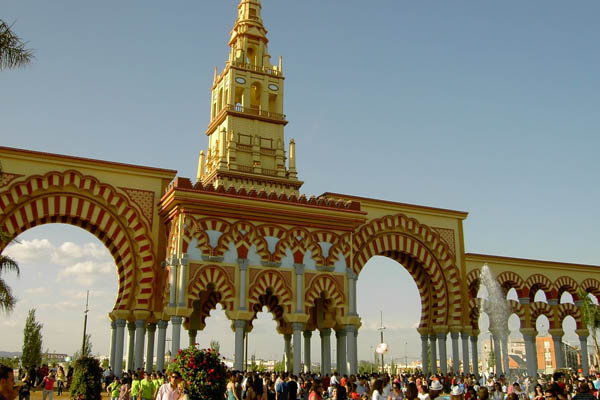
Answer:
[(316, 390), (471, 393), (183, 390), (270, 389), (146, 388), (396, 393), (483, 393), (170, 390), (26, 387), (435, 389), (377, 390), (231, 395), (48, 385), (497, 392), (9, 388), (60, 379), (114, 389), (457, 393), (135, 386), (125, 389), (292, 387), (583, 392)]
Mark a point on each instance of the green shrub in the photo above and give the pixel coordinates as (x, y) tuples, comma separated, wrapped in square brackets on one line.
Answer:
[(87, 379)]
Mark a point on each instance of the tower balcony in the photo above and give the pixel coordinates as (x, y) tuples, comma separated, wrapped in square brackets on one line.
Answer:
[(248, 112), (256, 68)]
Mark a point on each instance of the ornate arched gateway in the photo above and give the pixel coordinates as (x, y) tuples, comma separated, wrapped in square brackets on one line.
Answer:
[(241, 235)]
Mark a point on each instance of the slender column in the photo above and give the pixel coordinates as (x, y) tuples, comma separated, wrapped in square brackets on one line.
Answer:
[(341, 351), (558, 348), (474, 355), (585, 361), (307, 335), (497, 354), (151, 329), (243, 265), (442, 347), (505, 365), (465, 352), (297, 343), (287, 349), (530, 353), (140, 335), (240, 327), (351, 349), (183, 279), (425, 354), (433, 347), (160, 347), (326, 351), (173, 288), (176, 332), (118, 367), (455, 354), (113, 343), (131, 346), (192, 333), (351, 275), (299, 269)]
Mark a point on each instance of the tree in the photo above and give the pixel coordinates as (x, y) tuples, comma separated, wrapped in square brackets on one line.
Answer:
[(87, 379), (13, 53), (214, 344), (7, 300), (591, 318), (32, 342), (87, 349)]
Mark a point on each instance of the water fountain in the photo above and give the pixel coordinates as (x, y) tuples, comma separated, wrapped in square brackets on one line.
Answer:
[(498, 309)]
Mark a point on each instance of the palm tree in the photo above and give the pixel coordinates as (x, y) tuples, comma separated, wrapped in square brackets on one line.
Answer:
[(7, 300), (591, 318), (13, 53)]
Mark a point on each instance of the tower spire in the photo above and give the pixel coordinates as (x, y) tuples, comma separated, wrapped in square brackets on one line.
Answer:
[(246, 139)]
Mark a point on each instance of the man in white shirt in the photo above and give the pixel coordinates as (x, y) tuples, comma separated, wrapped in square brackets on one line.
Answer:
[(169, 391)]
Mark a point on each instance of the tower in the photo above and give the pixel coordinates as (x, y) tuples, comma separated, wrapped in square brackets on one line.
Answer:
[(246, 130)]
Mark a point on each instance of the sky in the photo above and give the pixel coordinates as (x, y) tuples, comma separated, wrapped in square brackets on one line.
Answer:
[(485, 107)]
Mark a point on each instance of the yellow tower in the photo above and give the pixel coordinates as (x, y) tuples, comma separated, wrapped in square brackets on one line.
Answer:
[(246, 144)]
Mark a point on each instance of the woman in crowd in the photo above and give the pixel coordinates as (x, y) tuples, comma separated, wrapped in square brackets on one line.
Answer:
[(231, 389), (396, 393), (125, 389), (412, 392), (497, 393), (60, 379), (315, 390), (538, 392), (377, 390)]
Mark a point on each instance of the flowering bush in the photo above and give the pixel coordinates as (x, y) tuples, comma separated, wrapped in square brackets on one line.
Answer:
[(203, 371)]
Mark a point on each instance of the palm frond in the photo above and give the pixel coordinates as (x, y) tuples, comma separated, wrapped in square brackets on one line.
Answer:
[(8, 264), (13, 53), (7, 300)]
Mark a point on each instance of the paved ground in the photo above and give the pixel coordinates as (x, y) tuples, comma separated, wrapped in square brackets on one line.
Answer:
[(37, 395)]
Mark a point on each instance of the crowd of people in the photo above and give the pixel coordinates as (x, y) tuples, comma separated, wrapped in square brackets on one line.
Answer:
[(139, 385)]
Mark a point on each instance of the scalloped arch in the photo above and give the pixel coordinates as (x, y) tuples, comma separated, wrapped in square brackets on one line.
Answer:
[(324, 284), (273, 282), (213, 278)]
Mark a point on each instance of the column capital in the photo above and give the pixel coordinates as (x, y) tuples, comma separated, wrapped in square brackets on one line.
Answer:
[(140, 323), (442, 335), (556, 332), (131, 325), (340, 332), (287, 337), (350, 329), (524, 300), (162, 324), (454, 335), (243, 263), (582, 333), (176, 320), (350, 274), (299, 268), (433, 338), (552, 302), (113, 324), (528, 332), (151, 327), (474, 338), (325, 332), (239, 323), (121, 323), (464, 335), (307, 334), (297, 326)]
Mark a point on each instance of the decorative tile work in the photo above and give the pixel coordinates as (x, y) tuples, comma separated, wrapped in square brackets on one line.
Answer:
[(447, 236), (144, 199), (5, 178)]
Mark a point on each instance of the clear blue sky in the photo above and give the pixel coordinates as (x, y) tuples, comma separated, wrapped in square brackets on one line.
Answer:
[(486, 107)]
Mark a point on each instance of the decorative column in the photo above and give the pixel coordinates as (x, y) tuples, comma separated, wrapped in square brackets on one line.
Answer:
[(287, 349), (192, 336), (340, 336), (352, 276), (297, 343), (442, 348), (505, 365), (240, 328), (160, 347), (183, 279), (585, 359), (172, 261), (120, 343), (325, 351), (113, 343), (474, 355), (131, 346), (425, 354), (243, 266), (352, 349), (455, 355), (140, 335), (465, 352), (530, 350), (151, 329), (557, 335), (433, 347), (176, 332), (299, 269), (497, 354), (307, 335)]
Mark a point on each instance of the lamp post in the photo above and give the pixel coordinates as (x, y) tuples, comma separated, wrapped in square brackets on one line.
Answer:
[(381, 329), (85, 323)]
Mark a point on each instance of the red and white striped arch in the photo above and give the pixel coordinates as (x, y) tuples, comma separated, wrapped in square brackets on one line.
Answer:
[(72, 198)]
